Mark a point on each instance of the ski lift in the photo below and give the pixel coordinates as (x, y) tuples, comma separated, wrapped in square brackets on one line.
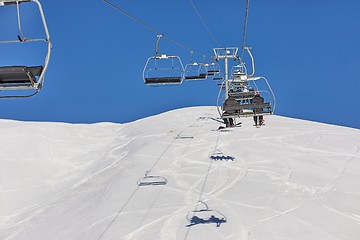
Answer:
[(162, 69), (203, 215), (148, 180), (20, 77)]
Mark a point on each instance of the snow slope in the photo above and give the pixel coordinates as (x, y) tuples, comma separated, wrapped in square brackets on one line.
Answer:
[(291, 179)]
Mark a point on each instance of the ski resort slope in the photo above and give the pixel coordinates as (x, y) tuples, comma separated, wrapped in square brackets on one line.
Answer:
[(290, 179)]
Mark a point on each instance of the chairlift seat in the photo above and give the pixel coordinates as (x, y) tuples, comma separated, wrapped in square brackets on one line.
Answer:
[(213, 71), (10, 2), (243, 110), (198, 77), (19, 75), (163, 80), (242, 95)]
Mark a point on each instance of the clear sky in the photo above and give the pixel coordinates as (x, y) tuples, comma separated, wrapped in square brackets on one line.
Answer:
[(308, 50)]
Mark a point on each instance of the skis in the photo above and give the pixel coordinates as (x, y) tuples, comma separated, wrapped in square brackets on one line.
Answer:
[(226, 129)]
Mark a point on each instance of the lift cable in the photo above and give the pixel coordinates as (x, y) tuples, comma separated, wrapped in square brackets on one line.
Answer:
[(245, 27), (204, 24), (151, 28)]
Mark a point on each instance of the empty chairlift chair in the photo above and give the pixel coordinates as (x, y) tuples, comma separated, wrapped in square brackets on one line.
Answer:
[(212, 69), (218, 77), (162, 69), (21, 77), (195, 71), (239, 73)]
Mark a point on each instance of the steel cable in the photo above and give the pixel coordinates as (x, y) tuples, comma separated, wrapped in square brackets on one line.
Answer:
[(151, 28), (245, 27)]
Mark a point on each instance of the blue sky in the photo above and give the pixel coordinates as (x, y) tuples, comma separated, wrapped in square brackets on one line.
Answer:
[(308, 50)]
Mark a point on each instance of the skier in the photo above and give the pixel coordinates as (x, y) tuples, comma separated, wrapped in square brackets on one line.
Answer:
[(229, 102), (258, 119)]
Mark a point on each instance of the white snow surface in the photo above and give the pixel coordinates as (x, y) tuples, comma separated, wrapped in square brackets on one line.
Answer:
[(290, 179)]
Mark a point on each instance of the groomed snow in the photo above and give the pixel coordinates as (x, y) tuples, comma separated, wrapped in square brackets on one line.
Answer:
[(290, 179)]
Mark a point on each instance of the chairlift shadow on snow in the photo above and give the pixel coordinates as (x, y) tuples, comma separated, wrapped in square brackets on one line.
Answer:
[(204, 215), (222, 158), (218, 155), (151, 180), (196, 220)]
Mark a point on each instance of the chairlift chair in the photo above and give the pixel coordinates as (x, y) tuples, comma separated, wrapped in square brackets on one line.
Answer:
[(151, 180), (239, 73), (218, 76), (244, 106), (212, 69), (162, 69), (20, 77), (195, 71), (240, 81)]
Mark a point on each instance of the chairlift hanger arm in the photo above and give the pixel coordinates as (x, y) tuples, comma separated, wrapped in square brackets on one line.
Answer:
[(157, 44), (252, 61)]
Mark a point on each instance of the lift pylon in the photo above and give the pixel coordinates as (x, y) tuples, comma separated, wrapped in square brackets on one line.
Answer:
[(226, 54)]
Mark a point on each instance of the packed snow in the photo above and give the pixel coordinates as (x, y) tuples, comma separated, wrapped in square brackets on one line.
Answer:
[(290, 179)]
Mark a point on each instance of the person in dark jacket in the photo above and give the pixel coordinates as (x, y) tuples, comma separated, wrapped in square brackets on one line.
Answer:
[(258, 119), (229, 102)]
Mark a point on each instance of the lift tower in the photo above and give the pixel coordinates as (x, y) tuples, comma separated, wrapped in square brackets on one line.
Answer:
[(226, 53)]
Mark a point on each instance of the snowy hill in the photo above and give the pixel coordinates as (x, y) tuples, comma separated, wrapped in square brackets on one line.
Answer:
[(290, 179)]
